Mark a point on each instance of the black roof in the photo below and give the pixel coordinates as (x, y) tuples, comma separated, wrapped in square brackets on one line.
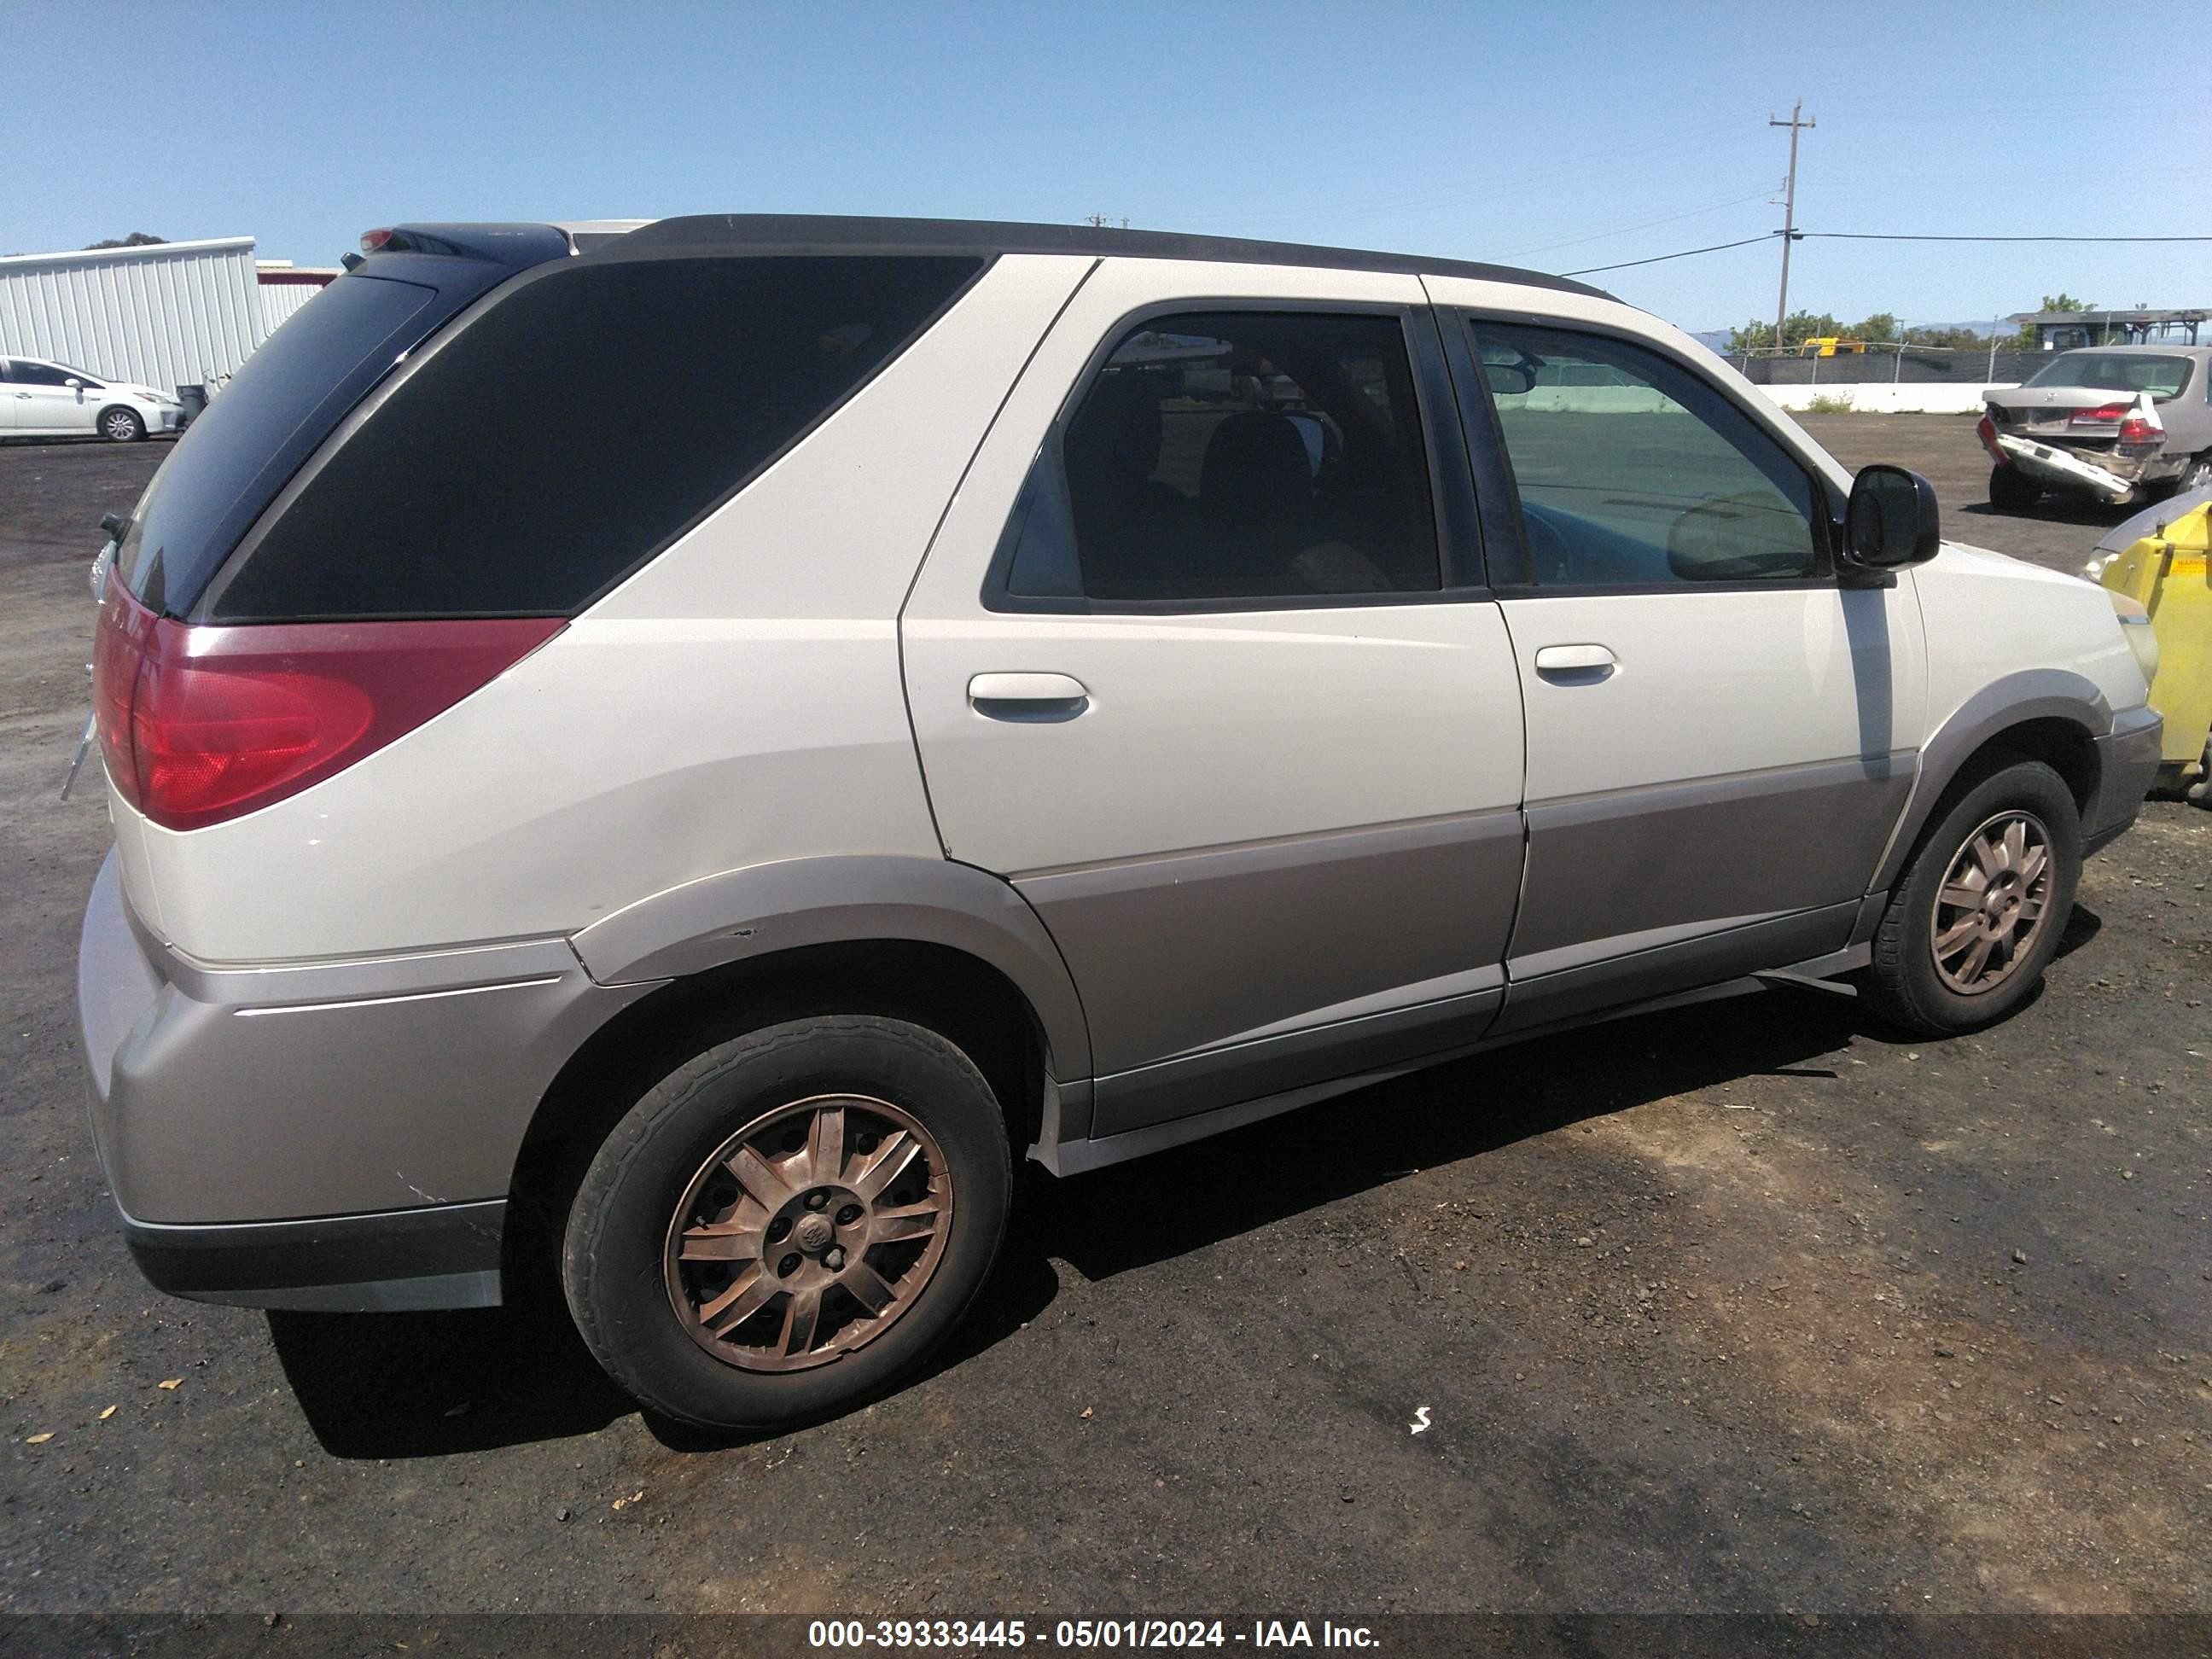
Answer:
[(798, 233)]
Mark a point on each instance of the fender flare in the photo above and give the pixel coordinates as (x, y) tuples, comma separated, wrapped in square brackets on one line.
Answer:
[(2032, 694), (764, 909)]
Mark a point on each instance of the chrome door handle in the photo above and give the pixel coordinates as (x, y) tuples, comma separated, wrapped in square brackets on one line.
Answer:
[(1576, 664), (1035, 699)]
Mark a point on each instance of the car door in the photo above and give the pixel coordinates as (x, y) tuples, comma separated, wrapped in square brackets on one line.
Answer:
[(1721, 735), (46, 401), (9, 420), (1200, 661)]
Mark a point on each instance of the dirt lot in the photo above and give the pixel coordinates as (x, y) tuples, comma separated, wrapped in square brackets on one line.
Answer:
[(1748, 1307)]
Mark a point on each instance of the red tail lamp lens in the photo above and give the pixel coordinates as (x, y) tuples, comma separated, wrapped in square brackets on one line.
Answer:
[(199, 724), (2104, 415)]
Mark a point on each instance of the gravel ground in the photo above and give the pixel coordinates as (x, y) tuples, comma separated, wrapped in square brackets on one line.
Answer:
[(1744, 1307)]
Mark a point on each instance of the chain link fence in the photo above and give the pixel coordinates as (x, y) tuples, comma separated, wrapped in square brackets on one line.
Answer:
[(1890, 364)]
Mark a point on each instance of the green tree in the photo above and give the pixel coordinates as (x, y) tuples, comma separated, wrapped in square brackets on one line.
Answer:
[(1798, 327), (1953, 338), (136, 239), (1877, 329)]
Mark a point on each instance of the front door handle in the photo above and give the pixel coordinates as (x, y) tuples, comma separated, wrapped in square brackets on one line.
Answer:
[(1576, 664), (1034, 699)]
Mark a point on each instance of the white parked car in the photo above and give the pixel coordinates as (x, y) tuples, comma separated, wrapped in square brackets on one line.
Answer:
[(970, 688), (40, 398)]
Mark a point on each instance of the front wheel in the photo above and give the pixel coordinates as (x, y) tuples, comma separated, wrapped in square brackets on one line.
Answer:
[(789, 1222), (121, 426), (1978, 914), (2012, 490)]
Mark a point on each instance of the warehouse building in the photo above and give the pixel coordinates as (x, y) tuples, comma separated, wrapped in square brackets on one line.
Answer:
[(168, 314), (286, 287)]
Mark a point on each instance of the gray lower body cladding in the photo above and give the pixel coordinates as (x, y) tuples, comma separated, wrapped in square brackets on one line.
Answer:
[(1233, 945), (445, 1255), (326, 1100), (2127, 765)]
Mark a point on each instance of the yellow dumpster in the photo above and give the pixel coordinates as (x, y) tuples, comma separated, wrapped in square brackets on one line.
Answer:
[(2164, 569)]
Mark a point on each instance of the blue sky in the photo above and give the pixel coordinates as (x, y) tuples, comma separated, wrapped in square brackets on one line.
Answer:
[(1554, 137)]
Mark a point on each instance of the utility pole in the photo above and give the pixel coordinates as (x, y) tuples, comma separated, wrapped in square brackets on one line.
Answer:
[(1788, 213)]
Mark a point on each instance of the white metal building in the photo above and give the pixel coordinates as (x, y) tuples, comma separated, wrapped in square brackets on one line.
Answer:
[(169, 315), (286, 287)]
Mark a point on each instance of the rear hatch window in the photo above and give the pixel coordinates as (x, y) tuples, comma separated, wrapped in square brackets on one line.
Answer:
[(254, 433), (576, 423)]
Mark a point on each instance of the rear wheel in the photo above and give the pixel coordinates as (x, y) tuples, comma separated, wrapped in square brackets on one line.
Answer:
[(790, 1221), (2197, 475), (2012, 490), (119, 425), (1978, 914)]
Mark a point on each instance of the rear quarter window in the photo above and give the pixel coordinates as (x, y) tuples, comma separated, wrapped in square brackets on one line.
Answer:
[(578, 423)]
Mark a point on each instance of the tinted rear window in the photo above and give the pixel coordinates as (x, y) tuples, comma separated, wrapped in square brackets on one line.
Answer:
[(586, 419), (238, 454), (2116, 371)]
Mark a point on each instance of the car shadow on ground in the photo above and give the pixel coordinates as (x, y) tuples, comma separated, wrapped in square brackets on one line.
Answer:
[(435, 1384)]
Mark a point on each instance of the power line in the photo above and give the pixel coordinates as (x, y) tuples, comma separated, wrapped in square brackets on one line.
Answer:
[(1881, 236), (1661, 258), (1868, 236)]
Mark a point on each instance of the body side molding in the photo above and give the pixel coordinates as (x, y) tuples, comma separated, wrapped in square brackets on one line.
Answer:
[(2032, 694), (767, 908)]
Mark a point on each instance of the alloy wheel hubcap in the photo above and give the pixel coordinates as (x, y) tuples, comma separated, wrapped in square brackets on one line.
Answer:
[(809, 1233), (1993, 904), (118, 426)]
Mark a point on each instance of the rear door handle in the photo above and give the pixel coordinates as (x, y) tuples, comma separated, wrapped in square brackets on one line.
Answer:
[(1035, 699), (1576, 664)]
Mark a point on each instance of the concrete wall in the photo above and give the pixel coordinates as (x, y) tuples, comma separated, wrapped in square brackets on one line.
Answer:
[(1905, 399), (173, 314), (1877, 400)]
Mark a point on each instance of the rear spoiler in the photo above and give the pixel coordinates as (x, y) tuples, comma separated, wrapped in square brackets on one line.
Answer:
[(513, 246)]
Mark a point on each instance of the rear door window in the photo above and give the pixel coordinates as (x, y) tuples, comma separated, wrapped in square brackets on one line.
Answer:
[(1235, 456), (583, 421)]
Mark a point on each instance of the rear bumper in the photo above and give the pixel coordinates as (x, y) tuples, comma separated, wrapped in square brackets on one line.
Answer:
[(2058, 467), (2128, 760), (329, 1135), (442, 1256)]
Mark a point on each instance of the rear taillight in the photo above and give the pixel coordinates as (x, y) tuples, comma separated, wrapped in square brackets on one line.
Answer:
[(1986, 430), (2137, 432), (197, 725), (2104, 415)]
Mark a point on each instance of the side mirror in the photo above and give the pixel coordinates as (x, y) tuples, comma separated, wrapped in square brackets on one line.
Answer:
[(74, 384), (1893, 521)]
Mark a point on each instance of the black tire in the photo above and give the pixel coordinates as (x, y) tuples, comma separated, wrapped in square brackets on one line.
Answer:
[(2012, 490), (119, 425), (615, 1267), (1905, 983), (2197, 474)]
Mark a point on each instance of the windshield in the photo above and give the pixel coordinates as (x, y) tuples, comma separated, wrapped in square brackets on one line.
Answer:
[(2116, 371), (235, 457)]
